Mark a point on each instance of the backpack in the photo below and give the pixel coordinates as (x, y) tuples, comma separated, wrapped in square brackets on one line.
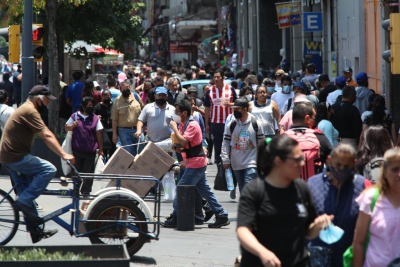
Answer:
[(372, 169), (289, 104), (253, 123), (310, 145)]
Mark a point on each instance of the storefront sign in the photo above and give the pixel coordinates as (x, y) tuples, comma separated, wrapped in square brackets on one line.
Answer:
[(184, 46), (289, 14), (313, 54)]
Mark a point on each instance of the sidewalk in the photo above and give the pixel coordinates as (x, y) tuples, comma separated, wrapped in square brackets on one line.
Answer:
[(202, 247)]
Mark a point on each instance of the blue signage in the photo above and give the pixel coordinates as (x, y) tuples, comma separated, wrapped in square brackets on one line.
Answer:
[(313, 54), (312, 21)]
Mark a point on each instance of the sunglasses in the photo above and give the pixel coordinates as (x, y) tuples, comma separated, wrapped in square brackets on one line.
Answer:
[(298, 159)]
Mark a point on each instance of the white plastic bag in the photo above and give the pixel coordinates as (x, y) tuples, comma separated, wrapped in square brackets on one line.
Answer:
[(165, 145), (169, 186), (67, 147), (99, 164)]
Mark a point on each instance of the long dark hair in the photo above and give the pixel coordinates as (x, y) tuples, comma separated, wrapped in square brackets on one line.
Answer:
[(88, 89), (322, 113), (378, 111), (280, 146), (376, 140)]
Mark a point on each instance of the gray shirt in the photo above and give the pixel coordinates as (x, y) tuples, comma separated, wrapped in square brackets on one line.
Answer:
[(157, 121)]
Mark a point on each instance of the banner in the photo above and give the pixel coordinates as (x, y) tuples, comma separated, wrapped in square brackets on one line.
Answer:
[(289, 14), (313, 54)]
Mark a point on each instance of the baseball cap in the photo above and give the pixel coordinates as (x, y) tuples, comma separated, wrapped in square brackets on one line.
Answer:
[(161, 90), (202, 72), (96, 84), (192, 90), (280, 72), (121, 77), (300, 85), (348, 70), (241, 103), (42, 90), (340, 80), (362, 76)]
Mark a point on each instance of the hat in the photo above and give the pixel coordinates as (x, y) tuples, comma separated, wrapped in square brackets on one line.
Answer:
[(348, 70), (241, 103), (340, 80), (362, 76), (280, 72), (300, 85), (192, 90), (161, 90), (202, 72), (96, 84), (301, 99), (42, 90), (121, 77)]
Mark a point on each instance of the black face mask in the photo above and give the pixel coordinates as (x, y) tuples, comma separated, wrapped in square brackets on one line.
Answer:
[(161, 101), (107, 101), (89, 110), (126, 93), (41, 108), (237, 114)]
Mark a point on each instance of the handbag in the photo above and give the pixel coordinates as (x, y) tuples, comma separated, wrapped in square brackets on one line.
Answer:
[(220, 180), (67, 147), (349, 254), (106, 141)]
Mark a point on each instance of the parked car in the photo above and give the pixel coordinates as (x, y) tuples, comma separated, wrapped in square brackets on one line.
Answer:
[(199, 84)]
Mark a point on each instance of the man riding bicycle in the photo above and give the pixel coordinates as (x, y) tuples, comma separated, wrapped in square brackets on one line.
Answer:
[(15, 154)]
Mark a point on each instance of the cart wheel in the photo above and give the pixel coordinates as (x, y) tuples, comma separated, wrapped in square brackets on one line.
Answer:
[(7, 212), (121, 210)]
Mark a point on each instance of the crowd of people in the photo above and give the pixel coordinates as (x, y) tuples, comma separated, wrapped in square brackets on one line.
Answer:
[(270, 128)]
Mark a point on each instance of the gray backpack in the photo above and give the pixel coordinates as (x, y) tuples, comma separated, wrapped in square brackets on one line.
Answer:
[(372, 170)]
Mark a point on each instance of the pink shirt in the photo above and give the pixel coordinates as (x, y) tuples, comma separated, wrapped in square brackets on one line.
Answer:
[(384, 244), (194, 136), (286, 121)]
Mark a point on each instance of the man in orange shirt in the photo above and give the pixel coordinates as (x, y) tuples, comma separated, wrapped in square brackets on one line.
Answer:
[(348, 74)]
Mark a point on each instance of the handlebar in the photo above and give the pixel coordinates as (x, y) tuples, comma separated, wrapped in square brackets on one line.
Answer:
[(74, 170)]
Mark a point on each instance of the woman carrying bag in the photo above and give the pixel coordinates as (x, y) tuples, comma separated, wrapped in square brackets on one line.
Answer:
[(380, 220), (103, 110), (86, 139)]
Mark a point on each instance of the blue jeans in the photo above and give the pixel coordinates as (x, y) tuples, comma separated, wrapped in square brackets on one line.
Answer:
[(197, 177), (36, 172), (245, 176), (127, 137)]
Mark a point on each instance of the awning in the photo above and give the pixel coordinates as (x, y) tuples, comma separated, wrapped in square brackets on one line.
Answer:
[(194, 24)]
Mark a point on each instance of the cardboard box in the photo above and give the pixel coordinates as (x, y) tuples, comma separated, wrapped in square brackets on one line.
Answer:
[(119, 162), (153, 154)]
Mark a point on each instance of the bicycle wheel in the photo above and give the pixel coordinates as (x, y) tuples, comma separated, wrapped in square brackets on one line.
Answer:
[(122, 210), (7, 213)]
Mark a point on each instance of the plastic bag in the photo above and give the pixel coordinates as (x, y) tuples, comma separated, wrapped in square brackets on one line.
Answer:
[(99, 164), (67, 147), (165, 145), (169, 186)]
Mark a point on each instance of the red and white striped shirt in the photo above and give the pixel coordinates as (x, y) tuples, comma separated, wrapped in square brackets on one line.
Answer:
[(217, 97)]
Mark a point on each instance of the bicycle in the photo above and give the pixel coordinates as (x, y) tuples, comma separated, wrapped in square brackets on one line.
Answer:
[(113, 215)]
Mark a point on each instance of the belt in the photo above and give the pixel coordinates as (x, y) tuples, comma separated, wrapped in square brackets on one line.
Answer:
[(133, 127)]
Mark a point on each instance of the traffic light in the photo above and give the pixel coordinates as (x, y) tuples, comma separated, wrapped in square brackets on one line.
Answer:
[(38, 49), (14, 32), (393, 55)]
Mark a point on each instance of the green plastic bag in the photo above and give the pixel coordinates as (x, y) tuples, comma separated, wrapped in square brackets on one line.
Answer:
[(348, 254)]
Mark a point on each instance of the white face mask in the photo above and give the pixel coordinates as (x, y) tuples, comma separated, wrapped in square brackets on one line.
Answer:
[(249, 97), (176, 118)]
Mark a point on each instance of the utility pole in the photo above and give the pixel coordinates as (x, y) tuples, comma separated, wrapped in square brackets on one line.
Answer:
[(27, 58)]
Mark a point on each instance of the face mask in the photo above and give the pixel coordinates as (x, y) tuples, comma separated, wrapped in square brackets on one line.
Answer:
[(271, 89), (286, 88), (89, 110), (237, 114), (161, 101), (341, 175), (176, 118), (331, 235), (126, 93), (249, 97), (41, 108), (107, 101), (348, 80)]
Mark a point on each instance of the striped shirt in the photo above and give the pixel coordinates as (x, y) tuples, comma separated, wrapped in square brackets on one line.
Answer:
[(214, 100)]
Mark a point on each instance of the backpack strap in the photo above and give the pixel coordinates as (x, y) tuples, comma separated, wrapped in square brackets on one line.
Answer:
[(136, 96), (372, 162), (289, 104), (253, 123)]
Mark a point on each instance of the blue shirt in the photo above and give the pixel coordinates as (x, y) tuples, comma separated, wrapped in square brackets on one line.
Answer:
[(74, 92), (114, 94)]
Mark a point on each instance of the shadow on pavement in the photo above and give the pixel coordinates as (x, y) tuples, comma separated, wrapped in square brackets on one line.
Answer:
[(143, 260)]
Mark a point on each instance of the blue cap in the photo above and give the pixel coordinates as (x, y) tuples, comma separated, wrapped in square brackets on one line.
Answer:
[(340, 80), (301, 85), (362, 76), (161, 90)]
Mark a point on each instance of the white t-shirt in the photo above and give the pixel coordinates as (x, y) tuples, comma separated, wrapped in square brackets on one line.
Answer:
[(5, 112), (331, 99), (280, 99), (99, 126)]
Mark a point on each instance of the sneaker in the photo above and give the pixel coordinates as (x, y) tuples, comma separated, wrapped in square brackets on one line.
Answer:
[(171, 222), (219, 222), (198, 221), (41, 234), (208, 215), (37, 205), (232, 194), (210, 162), (28, 212)]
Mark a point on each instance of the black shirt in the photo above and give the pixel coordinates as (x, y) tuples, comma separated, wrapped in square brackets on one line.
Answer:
[(105, 113), (325, 92), (347, 120), (274, 216)]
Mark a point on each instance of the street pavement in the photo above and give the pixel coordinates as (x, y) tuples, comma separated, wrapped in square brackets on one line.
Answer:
[(201, 247)]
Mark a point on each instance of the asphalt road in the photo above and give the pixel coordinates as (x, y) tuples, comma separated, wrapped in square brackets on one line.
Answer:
[(202, 247)]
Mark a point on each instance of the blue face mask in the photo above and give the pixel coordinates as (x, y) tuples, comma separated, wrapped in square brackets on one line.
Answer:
[(271, 89), (286, 88), (341, 175), (331, 235)]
